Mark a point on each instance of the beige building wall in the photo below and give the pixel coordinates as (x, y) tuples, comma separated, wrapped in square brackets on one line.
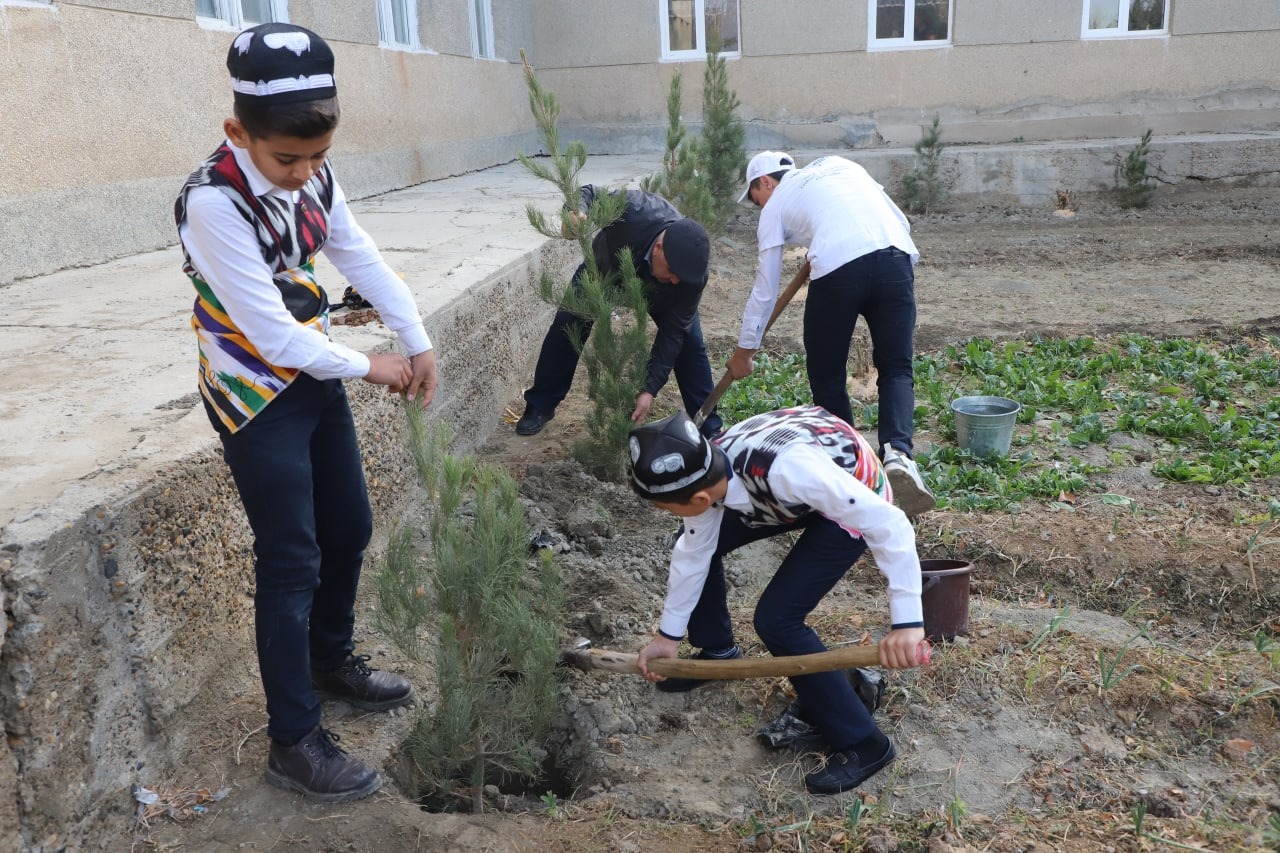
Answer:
[(1016, 69), (107, 105)]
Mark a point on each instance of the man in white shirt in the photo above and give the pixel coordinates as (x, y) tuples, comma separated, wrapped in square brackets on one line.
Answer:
[(862, 259), (801, 470)]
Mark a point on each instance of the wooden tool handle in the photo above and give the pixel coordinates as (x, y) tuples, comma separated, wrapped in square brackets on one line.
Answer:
[(801, 276), (844, 657)]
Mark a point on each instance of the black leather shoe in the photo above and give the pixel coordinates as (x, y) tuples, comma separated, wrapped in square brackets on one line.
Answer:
[(683, 685), (532, 421), (356, 682), (319, 770), (846, 770)]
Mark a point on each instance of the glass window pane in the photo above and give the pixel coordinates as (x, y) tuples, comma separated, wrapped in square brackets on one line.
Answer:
[(400, 22), (256, 11), (931, 20), (483, 47), (1104, 14), (722, 25), (681, 34), (1146, 15), (891, 19), (207, 8)]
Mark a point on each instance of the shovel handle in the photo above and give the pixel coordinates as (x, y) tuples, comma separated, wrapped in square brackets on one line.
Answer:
[(844, 657), (801, 276)]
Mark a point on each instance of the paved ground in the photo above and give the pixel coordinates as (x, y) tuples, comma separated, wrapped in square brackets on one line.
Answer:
[(98, 386)]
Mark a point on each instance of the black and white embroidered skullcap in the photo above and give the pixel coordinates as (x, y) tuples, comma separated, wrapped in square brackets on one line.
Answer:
[(280, 64), (670, 454)]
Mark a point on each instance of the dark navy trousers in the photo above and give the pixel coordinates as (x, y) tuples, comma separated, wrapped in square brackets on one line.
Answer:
[(880, 286), (558, 360), (819, 559), (297, 468)]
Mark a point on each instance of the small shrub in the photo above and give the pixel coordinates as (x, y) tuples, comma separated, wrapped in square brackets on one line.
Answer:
[(923, 188), (617, 353), (722, 149), (1134, 183), (680, 181), (496, 625)]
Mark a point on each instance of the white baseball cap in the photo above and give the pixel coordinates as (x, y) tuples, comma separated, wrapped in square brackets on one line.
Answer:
[(766, 163)]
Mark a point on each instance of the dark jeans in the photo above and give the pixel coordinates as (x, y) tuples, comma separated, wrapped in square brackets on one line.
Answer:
[(558, 360), (819, 559), (297, 468), (881, 287)]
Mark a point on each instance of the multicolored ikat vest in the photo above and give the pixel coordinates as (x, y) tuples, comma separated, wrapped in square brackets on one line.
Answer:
[(753, 445), (234, 377)]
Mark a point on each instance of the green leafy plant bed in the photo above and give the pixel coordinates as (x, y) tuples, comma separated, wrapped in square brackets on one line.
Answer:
[(1201, 411), (1192, 411)]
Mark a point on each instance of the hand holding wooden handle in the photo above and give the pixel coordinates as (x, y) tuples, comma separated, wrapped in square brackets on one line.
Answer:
[(801, 276)]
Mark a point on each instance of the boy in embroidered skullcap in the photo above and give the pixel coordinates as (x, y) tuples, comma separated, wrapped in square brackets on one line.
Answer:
[(802, 470), (251, 219)]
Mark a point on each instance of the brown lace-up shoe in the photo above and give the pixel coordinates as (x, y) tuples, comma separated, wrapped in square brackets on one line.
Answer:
[(319, 770), (361, 685)]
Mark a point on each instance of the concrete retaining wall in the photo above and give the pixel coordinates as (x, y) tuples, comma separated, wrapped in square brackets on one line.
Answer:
[(121, 615)]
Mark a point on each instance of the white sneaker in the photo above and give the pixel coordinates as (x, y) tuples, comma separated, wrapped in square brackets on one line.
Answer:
[(909, 491)]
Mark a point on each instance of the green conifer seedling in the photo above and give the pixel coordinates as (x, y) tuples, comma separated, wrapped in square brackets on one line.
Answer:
[(722, 150), (1134, 183), (681, 180), (616, 355), (923, 187), (496, 620)]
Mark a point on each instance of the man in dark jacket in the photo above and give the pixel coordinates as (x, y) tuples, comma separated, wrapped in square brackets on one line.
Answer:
[(670, 253)]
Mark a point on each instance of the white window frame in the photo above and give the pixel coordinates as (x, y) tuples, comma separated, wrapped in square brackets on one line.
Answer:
[(1122, 31), (386, 28), (908, 42), (230, 15), (700, 26), (482, 24)]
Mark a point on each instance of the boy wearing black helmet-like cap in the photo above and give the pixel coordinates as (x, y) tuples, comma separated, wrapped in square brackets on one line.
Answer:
[(252, 218), (802, 470)]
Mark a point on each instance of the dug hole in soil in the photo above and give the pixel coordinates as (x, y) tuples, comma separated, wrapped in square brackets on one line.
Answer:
[(1006, 741)]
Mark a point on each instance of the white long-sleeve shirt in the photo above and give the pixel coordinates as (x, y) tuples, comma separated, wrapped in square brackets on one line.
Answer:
[(834, 209), (224, 252), (802, 474)]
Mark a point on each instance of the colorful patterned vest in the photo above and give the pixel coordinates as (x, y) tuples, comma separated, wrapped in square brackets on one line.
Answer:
[(234, 377), (754, 444)]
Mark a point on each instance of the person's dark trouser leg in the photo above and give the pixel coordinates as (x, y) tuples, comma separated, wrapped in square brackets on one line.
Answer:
[(890, 312), (709, 623), (344, 524), (558, 359), (819, 559), (830, 313), (693, 376), (270, 460)]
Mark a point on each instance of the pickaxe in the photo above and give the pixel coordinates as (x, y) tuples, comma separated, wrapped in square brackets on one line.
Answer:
[(801, 278), (582, 656)]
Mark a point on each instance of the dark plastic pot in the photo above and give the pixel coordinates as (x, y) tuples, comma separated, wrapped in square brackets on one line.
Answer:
[(945, 596)]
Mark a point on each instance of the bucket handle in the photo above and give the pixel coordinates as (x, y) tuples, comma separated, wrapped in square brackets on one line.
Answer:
[(929, 583)]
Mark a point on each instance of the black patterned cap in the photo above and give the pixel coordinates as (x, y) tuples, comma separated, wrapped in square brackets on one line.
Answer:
[(668, 455), (280, 64)]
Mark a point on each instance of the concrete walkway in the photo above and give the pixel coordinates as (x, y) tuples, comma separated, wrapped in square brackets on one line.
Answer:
[(99, 379)]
